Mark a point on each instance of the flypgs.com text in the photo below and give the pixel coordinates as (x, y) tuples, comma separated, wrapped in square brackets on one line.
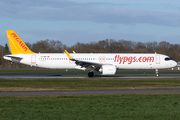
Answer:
[(131, 59)]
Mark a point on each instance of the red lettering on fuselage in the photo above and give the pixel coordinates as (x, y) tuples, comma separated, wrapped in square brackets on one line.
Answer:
[(130, 60), (21, 44)]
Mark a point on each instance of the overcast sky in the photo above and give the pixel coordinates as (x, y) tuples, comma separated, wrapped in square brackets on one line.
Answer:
[(72, 21)]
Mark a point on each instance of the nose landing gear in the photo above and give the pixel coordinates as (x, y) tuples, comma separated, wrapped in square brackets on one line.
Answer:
[(157, 73)]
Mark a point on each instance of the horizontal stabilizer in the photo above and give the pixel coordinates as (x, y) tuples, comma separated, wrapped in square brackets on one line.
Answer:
[(13, 58)]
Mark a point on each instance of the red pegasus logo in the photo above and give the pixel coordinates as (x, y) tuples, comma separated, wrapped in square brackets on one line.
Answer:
[(21, 44)]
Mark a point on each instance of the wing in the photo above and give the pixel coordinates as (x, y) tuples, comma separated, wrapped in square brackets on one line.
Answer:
[(85, 65)]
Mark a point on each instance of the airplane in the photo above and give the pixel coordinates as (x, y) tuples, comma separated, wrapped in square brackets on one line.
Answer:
[(105, 63)]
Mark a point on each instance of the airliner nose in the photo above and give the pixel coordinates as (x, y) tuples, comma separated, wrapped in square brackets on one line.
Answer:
[(174, 64)]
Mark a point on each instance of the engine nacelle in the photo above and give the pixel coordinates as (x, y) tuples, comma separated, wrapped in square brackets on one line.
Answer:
[(108, 70)]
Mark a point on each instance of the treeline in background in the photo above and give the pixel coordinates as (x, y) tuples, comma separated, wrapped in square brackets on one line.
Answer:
[(102, 46)]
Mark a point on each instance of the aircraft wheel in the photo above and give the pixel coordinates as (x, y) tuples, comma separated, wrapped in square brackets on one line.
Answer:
[(90, 74), (157, 73)]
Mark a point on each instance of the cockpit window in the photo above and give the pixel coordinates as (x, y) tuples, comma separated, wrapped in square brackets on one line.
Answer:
[(167, 58)]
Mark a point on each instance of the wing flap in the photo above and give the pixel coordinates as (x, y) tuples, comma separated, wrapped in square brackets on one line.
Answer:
[(86, 63)]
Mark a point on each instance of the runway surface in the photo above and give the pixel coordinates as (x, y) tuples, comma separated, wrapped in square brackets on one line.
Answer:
[(89, 92), (83, 73), (48, 77)]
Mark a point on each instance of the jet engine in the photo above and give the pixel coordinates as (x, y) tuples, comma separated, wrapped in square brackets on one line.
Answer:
[(108, 70)]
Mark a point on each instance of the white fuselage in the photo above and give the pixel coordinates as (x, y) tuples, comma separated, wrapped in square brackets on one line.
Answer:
[(121, 61)]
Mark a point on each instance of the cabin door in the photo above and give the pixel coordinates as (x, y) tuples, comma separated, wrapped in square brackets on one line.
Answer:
[(157, 59), (33, 59)]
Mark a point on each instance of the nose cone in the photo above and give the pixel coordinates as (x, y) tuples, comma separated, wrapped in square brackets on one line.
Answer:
[(173, 63)]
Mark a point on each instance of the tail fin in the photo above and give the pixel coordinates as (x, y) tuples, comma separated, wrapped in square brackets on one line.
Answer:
[(17, 46)]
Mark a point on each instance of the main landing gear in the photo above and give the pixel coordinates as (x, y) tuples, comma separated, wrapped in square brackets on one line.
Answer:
[(157, 73), (90, 74)]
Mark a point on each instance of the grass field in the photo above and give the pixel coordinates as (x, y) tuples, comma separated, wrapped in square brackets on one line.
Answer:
[(87, 84), (92, 107)]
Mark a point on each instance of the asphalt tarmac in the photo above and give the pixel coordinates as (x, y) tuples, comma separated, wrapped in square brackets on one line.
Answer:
[(83, 73), (75, 75), (89, 92), (97, 76)]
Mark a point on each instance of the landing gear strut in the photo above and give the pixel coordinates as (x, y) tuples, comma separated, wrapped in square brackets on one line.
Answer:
[(90, 74), (157, 73)]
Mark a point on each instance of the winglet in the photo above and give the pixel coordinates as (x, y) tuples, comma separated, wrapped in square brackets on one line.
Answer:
[(74, 52), (68, 55), (17, 46)]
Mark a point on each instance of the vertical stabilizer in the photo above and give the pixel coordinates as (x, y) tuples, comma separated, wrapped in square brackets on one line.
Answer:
[(17, 46)]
